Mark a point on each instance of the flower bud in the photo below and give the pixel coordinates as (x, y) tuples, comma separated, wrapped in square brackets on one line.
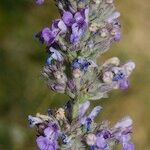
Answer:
[(108, 77), (91, 139), (60, 114), (104, 33), (58, 88), (109, 1), (77, 73), (97, 1), (114, 61), (94, 27)]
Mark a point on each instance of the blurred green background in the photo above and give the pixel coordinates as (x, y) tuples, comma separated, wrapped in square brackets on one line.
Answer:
[(23, 92)]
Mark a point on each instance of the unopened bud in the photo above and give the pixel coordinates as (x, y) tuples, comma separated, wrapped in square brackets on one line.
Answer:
[(77, 73), (109, 1), (108, 77), (104, 33), (114, 61), (91, 139)]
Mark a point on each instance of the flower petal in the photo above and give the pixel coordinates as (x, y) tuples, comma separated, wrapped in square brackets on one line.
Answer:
[(68, 18), (83, 108), (94, 112)]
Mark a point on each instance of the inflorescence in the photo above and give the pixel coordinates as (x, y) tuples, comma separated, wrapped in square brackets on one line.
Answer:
[(86, 29)]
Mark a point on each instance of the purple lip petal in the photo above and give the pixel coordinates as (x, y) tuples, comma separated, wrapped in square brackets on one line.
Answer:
[(68, 18)]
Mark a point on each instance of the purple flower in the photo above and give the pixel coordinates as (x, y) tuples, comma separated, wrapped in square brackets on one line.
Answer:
[(68, 18), (59, 25), (87, 120), (45, 144), (51, 132), (49, 140), (39, 2), (120, 77), (124, 84), (128, 146), (78, 23), (116, 33), (81, 64), (101, 140), (49, 34)]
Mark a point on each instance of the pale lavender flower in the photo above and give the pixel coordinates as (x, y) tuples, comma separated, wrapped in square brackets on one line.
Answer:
[(113, 17), (94, 112), (87, 120), (55, 55), (124, 136), (124, 123), (83, 108)]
